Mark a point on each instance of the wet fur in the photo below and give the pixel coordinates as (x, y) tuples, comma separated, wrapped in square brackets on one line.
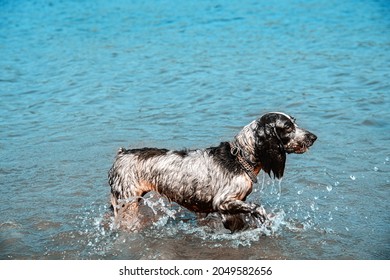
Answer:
[(216, 179)]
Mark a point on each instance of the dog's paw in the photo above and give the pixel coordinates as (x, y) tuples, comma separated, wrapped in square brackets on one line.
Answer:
[(260, 213)]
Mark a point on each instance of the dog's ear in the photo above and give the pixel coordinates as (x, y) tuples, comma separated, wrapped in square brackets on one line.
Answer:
[(271, 151)]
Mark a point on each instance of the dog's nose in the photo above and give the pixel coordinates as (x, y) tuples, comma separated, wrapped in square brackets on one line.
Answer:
[(312, 137)]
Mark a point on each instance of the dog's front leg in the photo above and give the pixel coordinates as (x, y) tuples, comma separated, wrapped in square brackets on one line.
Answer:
[(234, 222), (239, 206), (233, 214)]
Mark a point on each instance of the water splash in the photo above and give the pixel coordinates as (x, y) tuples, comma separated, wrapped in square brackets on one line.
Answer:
[(215, 235), (168, 221), (271, 182)]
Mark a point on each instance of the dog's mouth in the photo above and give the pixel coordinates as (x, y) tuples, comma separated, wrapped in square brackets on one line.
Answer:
[(301, 150), (298, 149)]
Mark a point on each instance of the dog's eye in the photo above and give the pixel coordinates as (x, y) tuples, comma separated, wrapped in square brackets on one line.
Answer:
[(288, 127)]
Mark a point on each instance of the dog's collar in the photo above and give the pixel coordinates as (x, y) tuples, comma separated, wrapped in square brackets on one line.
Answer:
[(246, 164)]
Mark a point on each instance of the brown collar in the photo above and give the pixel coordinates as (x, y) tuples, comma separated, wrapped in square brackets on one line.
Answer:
[(246, 164)]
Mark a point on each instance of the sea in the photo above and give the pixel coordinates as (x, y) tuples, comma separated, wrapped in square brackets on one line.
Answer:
[(80, 79)]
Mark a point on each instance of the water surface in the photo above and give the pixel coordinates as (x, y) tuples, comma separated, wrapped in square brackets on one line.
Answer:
[(79, 79)]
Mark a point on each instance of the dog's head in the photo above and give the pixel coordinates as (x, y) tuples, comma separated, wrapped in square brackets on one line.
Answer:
[(278, 134)]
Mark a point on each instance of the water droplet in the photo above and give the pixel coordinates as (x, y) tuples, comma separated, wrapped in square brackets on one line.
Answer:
[(353, 178), (329, 188), (336, 183), (376, 168), (347, 229)]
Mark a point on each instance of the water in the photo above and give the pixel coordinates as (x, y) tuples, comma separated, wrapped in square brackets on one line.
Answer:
[(79, 79)]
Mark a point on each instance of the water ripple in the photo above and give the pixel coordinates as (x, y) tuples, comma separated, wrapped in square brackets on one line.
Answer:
[(79, 80)]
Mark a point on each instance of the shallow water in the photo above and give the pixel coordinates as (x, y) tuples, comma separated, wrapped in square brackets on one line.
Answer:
[(78, 79)]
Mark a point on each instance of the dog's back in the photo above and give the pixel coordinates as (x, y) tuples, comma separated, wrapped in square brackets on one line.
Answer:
[(195, 179)]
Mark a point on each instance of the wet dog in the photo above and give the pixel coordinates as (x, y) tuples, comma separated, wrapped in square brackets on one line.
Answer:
[(216, 179)]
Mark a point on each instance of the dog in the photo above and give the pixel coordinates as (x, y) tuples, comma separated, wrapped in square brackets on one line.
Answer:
[(216, 179)]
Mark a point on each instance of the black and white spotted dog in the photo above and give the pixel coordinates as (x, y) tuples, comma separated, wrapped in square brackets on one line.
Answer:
[(216, 179)]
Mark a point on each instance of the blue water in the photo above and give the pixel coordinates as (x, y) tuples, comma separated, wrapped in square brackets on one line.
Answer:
[(79, 79)]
